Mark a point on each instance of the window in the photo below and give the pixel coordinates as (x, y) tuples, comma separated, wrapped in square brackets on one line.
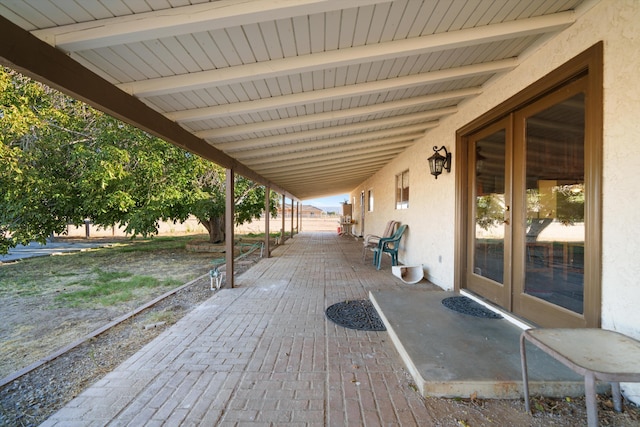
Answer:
[(370, 201), (402, 190)]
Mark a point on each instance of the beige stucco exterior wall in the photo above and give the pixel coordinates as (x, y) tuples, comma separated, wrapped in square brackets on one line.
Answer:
[(430, 238)]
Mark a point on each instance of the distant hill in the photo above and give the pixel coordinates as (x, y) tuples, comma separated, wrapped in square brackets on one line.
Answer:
[(328, 209), (336, 209)]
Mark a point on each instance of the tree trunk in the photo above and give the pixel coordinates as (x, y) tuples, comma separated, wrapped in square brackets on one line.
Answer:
[(536, 227), (215, 227)]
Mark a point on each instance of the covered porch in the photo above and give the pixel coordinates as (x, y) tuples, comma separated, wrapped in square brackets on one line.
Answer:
[(264, 353)]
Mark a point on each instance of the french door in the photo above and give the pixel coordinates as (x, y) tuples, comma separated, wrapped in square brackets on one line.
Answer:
[(489, 222), (528, 232)]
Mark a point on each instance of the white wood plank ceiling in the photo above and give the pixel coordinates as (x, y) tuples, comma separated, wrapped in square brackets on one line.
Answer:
[(313, 95)]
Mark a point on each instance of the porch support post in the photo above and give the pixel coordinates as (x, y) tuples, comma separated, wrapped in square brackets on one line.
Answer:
[(229, 225), (298, 217), (267, 194), (293, 210), (284, 213)]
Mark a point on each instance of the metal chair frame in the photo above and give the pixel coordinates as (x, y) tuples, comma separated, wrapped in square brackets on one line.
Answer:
[(371, 240)]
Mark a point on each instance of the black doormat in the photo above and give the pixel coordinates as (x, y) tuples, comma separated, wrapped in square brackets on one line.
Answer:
[(358, 314), (468, 306)]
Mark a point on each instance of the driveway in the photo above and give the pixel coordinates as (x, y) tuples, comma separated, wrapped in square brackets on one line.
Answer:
[(34, 249)]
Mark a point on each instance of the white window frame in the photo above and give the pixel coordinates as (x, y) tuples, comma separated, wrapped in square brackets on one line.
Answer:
[(402, 190)]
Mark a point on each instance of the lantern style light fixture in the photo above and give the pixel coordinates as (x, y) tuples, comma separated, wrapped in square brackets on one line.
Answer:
[(438, 162)]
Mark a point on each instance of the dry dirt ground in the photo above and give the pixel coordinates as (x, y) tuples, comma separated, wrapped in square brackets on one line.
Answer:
[(33, 326), (30, 399)]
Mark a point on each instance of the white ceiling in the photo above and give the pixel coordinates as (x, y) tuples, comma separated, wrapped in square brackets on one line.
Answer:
[(313, 95)]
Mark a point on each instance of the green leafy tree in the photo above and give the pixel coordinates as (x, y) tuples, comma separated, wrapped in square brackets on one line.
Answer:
[(62, 162), (489, 210), (36, 182), (209, 206)]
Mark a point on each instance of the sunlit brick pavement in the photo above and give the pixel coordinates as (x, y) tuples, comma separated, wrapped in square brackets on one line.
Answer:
[(264, 354)]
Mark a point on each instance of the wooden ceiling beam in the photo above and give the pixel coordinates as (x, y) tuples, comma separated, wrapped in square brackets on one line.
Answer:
[(368, 112), (318, 137), (318, 184), (351, 56), (340, 162), (277, 154), (329, 160), (405, 119), (355, 90), (347, 133), (182, 20)]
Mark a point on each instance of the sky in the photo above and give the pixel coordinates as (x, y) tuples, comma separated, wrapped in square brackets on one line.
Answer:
[(327, 202)]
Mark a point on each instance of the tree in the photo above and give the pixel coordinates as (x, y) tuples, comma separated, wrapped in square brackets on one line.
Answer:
[(62, 162), (30, 119), (209, 206)]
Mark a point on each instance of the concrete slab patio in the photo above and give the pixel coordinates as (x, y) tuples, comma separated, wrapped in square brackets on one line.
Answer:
[(264, 354), (451, 354)]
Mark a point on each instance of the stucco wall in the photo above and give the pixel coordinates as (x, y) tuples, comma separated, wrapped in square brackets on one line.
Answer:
[(430, 240)]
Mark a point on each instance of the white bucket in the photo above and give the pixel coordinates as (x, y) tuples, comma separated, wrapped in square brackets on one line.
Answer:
[(408, 274)]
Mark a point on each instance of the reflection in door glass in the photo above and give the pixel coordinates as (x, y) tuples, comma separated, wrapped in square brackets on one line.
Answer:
[(555, 204), (490, 207)]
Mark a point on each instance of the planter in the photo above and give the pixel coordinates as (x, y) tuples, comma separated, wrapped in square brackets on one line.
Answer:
[(408, 274)]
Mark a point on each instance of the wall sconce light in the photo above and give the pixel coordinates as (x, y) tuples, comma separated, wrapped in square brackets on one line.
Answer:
[(438, 162)]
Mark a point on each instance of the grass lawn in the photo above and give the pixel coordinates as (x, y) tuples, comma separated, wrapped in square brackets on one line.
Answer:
[(49, 302), (120, 272)]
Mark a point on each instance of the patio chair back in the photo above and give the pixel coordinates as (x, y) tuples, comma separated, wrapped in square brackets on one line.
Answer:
[(371, 240), (390, 228), (390, 246)]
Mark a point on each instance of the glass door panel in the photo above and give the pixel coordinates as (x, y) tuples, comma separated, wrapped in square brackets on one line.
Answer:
[(489, 228), (490, 207), (555, 197), (549, 232)]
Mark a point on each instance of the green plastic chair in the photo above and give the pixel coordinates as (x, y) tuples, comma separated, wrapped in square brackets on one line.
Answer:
[(388, 245), (371, 240)]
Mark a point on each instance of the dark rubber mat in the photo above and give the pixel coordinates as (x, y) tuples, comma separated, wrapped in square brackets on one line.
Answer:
[(358, 314), (468, 306)]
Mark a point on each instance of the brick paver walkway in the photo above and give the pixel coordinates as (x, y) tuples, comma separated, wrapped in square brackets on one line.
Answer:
[(264, 353)]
